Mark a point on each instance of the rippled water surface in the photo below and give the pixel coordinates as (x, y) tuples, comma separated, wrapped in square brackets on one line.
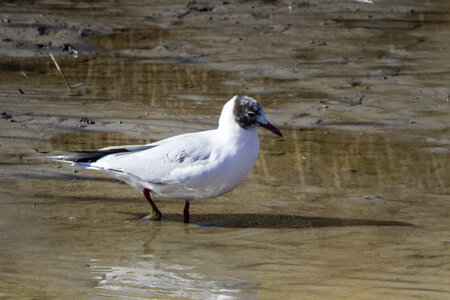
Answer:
[(352, 203)]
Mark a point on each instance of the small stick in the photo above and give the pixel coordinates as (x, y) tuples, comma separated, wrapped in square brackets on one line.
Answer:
[(60, 71)]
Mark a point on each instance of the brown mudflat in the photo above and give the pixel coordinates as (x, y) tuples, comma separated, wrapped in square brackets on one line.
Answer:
[(353, 202)]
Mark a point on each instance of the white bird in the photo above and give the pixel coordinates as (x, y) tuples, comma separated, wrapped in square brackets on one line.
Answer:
[(189, 166)]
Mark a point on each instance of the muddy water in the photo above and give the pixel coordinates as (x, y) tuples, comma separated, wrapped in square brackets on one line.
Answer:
[(353, 202), (324, 213)]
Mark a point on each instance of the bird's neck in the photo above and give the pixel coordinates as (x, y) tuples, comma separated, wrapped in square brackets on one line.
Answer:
[(229, 130)]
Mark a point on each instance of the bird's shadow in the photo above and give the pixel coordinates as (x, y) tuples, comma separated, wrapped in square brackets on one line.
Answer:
[(275, 221)]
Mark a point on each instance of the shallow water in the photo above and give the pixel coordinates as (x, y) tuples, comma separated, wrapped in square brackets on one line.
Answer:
[(323, 213), (353, 201)]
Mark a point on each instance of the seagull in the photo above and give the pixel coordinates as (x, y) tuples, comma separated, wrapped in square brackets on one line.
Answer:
[(189, 166)]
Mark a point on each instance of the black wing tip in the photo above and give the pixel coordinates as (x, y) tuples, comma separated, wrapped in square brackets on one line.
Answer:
[(90, 156)]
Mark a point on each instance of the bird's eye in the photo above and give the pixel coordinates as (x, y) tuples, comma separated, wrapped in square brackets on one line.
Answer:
[(251, 114)]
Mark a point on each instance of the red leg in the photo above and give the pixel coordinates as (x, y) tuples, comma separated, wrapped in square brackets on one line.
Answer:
[(156, 214), (186, 211)]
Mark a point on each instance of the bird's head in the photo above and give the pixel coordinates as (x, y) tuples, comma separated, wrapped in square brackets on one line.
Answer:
[(249, 114)]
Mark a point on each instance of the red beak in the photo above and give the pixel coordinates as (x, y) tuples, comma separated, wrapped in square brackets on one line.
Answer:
[(272, 128)]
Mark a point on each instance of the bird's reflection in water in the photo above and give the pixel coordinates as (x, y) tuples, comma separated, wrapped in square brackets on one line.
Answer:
[(152, 278)]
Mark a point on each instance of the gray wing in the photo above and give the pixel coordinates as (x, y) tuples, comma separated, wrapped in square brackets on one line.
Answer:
[(173, 160)]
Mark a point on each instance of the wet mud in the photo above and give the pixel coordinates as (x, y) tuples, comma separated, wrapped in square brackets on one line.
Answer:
[(353, 201)]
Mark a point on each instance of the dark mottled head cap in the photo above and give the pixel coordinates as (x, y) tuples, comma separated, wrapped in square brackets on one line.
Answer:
[(247, 111), (249, 114)]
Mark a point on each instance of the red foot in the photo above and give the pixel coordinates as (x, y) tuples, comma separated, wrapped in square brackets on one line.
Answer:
[(156, 215)]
